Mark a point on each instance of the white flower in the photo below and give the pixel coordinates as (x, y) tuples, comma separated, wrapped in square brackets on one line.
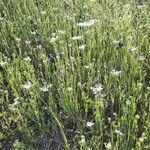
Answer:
[(139, 6), (29, 17), (39, 46), (54, 34), (97, 89), (76, 38), (87, 23), (115, 73), (43, 12), (108, 145), (33, 32), (61, 32), (69, 89), (133, 49), (53, 39), (27, 59), (128, 102), (3, 63), (89, 124), (109, 119), (72, 58), (1, 18), (115, 114), (90, 65), (82, 47), (27, 42), (45, 88), (141, 58), (18, 39), (79, 84), (118, 132), (28, 85), (86, 67)]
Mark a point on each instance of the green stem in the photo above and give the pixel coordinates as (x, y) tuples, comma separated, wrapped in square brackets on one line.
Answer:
[(67, 147)]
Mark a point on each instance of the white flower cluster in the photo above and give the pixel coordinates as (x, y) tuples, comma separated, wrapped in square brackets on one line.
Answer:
[(87, 23), (97, 90), (115, 73)]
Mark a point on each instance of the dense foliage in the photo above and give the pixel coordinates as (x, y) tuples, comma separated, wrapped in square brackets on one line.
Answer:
[(74, 74)]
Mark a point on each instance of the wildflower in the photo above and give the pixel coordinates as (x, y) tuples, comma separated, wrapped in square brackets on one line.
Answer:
[(69, 89), (61, 32), (18, 39), (109, 119), (115, 114), (1, 19), (90, 65), (39, 46), (76, 38), (115, 73), (29, 17), (43, 12), (139, 7), (87, 23), (108, 145), (133, 49), (2, 63), (53, 39), (45, 88), (54, 34), (87, 67), (82, 47), (79, 84), (141, 58), (72, 58), (27, 42), (97, 89), (33, 32), (89, 124), (69, 17), (128, 102), (118, 132), (27, 59), (141, 139), (28, 85)]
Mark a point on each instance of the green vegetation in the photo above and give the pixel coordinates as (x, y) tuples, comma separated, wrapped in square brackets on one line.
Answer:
[(74, 74)]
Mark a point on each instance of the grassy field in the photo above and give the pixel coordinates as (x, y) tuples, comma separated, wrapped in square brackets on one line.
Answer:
[(74, 75)]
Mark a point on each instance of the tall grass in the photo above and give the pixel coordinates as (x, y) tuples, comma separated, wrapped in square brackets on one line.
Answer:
[(74, 74)]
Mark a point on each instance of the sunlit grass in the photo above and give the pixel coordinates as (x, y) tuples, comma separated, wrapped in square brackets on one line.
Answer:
[(74, 74)]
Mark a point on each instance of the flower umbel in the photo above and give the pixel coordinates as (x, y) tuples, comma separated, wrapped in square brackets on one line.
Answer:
[(97, 90), (28, 85)]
